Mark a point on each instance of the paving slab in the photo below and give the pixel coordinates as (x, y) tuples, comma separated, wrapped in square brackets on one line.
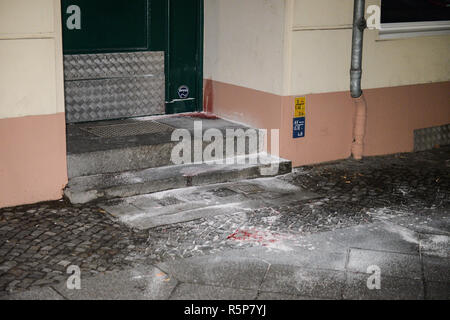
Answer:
[(391, 264), (298, 256), (121, 209), (138, 283), (189, 291), (325, 241), (435, 245), (437, 223), (216, 270), (379, 236), (300, 281), (272, 296), (35, 294), (391, 288), (437, 290)]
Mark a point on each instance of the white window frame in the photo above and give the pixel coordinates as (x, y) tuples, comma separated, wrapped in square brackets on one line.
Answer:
[(413, 29)]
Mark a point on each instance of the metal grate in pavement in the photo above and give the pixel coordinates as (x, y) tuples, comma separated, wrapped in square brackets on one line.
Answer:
[(169, 201), (128, 129)]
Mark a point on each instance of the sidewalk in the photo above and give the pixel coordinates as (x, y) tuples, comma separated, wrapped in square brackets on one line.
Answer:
[(390, 212), (329, 265)]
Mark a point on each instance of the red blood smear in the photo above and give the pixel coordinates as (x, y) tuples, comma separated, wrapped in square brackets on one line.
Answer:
[(243, 235), (200, 115)]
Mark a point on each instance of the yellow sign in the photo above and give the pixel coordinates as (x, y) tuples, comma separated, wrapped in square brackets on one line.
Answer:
[(300, 107)]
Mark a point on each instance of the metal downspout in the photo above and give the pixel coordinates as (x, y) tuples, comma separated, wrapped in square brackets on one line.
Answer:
[(359, 24)]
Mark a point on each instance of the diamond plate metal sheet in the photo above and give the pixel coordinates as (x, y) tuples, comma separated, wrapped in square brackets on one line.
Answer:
[(428, 138), (128, 129), (114, 85), (113, 65)]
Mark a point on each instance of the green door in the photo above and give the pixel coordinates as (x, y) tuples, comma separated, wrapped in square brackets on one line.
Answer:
[(172, 26), (185, 44)]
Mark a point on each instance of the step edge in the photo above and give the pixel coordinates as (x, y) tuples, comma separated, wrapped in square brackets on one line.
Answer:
[(81, 196)]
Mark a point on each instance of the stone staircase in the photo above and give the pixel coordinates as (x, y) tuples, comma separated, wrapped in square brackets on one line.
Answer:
[(117, 159)]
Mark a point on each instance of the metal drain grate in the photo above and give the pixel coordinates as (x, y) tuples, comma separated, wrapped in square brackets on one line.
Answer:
[(169, 201), (247, 188), (223, 192), (128, 129)]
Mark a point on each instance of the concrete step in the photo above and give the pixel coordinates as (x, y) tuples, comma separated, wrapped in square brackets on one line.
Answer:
[(105, 186), (199, 202), (91, 155)]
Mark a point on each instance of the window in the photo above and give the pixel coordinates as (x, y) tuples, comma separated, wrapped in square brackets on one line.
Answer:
[(410, 18)]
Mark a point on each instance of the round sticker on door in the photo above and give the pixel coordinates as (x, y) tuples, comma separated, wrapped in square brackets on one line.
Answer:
[(183, 92)]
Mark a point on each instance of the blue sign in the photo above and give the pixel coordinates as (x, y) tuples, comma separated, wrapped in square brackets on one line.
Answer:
[(299, 128)]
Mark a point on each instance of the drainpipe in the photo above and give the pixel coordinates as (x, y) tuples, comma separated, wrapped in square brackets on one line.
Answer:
[(359, 24)]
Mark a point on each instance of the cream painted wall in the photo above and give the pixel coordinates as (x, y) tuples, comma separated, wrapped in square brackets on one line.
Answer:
[(322, 13), (244, 43), (18, 17), (31, 77), (321, 45)]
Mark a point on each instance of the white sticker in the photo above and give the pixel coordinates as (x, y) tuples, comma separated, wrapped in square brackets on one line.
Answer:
[(183, 92)]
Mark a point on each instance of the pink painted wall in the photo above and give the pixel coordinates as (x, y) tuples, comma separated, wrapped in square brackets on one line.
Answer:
[(32, 159), (255, 108), (393, 115), (328, 129)]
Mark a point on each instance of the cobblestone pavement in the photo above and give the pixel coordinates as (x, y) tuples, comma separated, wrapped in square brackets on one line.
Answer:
[(38, 242)]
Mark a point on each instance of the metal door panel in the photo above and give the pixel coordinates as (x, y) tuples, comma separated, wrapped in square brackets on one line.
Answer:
[(114, 85)]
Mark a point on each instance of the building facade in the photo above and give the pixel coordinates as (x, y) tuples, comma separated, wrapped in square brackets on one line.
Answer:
[(261, 55)]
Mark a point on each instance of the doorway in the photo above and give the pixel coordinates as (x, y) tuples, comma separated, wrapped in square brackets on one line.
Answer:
[(125, 59)]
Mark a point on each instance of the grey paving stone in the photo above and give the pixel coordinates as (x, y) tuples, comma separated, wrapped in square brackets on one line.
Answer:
[(35, 294), (391, 264), (437, 290), (325, 241), (304, 282), (139, 283), (379, 236), (188, 291), (392, 288), (225, 271), (436, 269)]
